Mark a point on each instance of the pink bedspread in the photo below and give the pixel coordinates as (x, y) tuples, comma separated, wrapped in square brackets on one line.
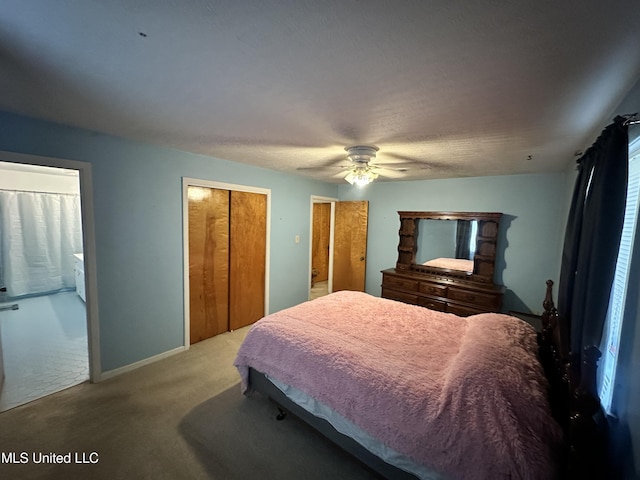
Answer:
[(451, 264), (463, 396)]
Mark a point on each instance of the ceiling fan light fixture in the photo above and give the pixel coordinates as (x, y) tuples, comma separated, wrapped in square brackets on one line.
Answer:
[(361, 153), (361, 176), (361, 173)]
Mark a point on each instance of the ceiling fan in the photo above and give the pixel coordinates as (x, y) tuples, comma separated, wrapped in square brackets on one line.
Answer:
[(362, 173), (362, 170)]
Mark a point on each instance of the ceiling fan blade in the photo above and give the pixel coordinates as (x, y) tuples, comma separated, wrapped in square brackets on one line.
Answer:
[(326, 167), (390, 174), (419, 163), (403, 166)]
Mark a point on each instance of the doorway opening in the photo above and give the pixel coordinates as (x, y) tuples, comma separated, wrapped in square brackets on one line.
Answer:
[(338, 246), (44, 330), (321, 246)]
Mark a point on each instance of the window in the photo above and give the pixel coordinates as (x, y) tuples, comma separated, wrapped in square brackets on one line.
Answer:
[(615, 314), (472, 239)]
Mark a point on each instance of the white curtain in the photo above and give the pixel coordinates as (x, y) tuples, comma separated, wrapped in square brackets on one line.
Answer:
[(39, 233)]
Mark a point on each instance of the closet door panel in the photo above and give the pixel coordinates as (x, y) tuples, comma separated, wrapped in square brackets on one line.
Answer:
[(247, 258), (208, 262)]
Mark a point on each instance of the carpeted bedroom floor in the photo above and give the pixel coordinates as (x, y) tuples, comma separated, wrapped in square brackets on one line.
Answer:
[(180, 418)]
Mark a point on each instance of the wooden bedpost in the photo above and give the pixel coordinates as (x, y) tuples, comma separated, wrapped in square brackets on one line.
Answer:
[(548, 316), (549, 340), (572, 394), (552, 361), (587, 443), (548, 305)]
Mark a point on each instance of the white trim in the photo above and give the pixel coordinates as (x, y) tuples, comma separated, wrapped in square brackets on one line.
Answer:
[(89, 240), (186, 182), (133, 366), (332, 201)]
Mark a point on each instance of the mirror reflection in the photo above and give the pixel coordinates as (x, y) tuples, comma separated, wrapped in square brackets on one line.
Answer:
[(449, 244)]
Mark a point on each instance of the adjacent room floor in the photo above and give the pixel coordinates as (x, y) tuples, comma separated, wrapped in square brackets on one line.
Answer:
[(44, 345), (319, 289)]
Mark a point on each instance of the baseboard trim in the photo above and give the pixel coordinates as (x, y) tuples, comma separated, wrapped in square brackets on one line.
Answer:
[(133, 366)]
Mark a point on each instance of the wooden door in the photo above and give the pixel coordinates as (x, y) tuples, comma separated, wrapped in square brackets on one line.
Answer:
[(320, 241), (350, 245), (247, 258), (208, 262)]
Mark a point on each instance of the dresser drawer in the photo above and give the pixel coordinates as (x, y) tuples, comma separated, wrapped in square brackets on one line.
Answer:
[(480, 299), (400, 283), (462, 310), (433, 289), (399, 296), (432, 304)]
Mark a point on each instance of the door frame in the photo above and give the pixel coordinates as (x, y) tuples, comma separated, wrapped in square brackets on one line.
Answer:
[(332, 201), (89, 246), (195, 182)]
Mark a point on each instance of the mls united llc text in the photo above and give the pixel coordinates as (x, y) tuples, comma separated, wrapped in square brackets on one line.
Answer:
[(51, 457)]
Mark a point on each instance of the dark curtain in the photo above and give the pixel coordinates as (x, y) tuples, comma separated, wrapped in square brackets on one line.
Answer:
[(463, 234), (593, 236)]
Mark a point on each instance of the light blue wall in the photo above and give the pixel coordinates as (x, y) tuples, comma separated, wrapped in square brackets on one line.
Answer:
[(138, 216), (530, 232)]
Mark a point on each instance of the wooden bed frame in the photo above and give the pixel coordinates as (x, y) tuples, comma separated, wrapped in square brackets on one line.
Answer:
[(260, 383), (572, 396)]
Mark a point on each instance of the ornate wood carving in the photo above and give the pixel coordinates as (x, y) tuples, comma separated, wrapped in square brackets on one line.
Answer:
[(455, 291), (486, 240)]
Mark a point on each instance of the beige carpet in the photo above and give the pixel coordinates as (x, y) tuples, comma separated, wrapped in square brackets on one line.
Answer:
[(319, 289), (180, 418)]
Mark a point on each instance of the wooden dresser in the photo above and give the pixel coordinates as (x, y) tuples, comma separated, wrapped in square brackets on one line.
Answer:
[(419, 282), (441, 293)]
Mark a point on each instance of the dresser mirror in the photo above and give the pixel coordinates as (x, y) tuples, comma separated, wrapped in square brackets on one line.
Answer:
[(451, 244)]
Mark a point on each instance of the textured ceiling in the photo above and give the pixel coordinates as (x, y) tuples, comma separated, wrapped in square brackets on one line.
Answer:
[(466, 88)]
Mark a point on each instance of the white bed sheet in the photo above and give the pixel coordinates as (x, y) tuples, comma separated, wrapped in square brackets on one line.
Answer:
[(347, 428)]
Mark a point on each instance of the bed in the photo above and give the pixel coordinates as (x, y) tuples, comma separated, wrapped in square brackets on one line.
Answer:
[(416, 393)]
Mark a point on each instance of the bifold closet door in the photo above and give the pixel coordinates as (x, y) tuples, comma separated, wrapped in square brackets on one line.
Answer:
[(227, 260), (247, 258), (208, 262)]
